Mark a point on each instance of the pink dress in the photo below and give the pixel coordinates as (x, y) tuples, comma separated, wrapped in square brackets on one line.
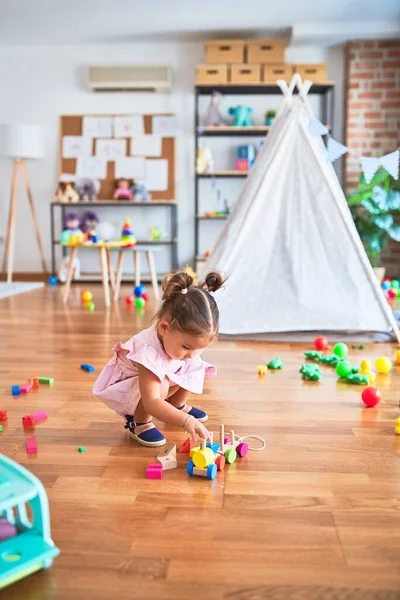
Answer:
[(118, 383)]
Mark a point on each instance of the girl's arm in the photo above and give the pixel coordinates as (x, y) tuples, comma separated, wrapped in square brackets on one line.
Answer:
[(150, 391)]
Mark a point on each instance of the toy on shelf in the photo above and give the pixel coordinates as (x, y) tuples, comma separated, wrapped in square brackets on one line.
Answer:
[(66, 192), (371, 396), (140, 193), (123, 189), (311, 372), (167, 457), (155, 233), (127, 235), (241, 116), (270, 117), (204, 161), (213, 118), (321, 343), (245, 157), (275, 364), (87, 189), (383, 364), (88, 226), (32, 548), (72, 233)]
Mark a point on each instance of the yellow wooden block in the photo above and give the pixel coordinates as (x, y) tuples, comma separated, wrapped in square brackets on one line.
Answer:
[(203, 458), (193, 451)]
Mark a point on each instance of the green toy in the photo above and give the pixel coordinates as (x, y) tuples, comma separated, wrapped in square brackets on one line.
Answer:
[(313, 355), (241, 115), (311, 372), (355, 370), (81, 448), (344, 368), (31, 548), (330, 359), (275, 364), (359, 347), (357, 379), (341, 350)]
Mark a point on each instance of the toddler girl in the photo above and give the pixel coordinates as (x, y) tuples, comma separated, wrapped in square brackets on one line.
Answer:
[(154, 373)]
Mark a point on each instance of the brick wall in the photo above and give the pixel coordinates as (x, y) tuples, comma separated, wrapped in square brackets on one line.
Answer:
[(372, 113)]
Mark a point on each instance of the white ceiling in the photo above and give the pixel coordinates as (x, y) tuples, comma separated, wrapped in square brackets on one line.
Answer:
[(83, 21)]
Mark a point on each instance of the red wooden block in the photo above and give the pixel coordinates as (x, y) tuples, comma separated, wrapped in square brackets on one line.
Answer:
[(3, 415), (185, 447), (31, 446), (28, 421), (34, 382)]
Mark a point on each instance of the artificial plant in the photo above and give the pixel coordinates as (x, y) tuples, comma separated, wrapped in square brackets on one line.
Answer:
[(375, 207)]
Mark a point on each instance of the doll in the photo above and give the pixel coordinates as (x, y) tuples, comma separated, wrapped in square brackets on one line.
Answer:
[(88, 225), (123, 189), (72, 232), (66, 192)]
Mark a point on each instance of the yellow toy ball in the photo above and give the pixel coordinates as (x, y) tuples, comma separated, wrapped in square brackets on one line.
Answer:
[(366, 365), (86, 296), (383, 364), (397, 430), (397, 421), (370, 374), (262, 369)]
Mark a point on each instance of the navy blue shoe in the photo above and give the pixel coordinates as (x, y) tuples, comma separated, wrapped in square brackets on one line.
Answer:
[(150, 436), (197, 413)]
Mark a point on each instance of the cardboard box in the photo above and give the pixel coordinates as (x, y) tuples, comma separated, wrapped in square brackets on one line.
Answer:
[(266, 51), (245, 74), (315, 73), (224, 51), (270, 73), (209, 74)]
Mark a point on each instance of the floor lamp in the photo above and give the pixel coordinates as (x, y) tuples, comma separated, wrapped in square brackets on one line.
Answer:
[(20, 142)]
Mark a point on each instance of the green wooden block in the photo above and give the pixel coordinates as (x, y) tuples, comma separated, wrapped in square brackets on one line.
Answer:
[(1, 427), (81, 449), (48, 380)]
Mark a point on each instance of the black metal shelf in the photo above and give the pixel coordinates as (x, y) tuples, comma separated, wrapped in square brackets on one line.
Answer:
[(116, 203), (226, 131), (259, 89), (222, 174)]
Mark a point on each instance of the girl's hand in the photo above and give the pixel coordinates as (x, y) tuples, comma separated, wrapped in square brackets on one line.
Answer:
[(197, 429)]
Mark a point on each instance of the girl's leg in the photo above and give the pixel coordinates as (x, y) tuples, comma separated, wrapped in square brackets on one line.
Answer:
[(141, 415), (178, 397)]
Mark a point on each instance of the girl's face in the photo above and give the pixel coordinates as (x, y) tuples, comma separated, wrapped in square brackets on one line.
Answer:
[(179, 345)]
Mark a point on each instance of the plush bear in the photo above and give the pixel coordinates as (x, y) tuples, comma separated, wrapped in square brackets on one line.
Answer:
[(66, 192)]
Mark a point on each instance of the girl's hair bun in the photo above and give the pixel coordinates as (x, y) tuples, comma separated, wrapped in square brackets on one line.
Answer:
[(174, 283), (213, 281)]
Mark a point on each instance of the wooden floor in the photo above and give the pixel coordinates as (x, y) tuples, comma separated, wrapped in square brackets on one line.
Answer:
[(316, 515)]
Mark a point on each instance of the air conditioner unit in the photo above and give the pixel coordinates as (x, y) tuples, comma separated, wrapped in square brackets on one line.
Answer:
[(130, 78)]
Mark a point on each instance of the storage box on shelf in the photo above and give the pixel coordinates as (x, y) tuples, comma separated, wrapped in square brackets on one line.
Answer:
[(246, 74), (313, 72), (224, 51), (266, 51), (270, 73), (211, 74)]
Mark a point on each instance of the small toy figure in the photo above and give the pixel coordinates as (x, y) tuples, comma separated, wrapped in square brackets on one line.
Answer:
[(72, 231), (140, 194), (123, 189), (66, 192), (88, 225), (275, 364), (155, 233), (241, 116), (313, 355), (213, 118), (311, 372), (87, 189)]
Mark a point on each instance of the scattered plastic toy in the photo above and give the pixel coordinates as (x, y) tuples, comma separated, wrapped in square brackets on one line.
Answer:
[(81, 448), (311, 372), (262, 369), (88, 368), (371, 396), (357, 379), (383, 364), (344, 368), (275, 364), (330, 359), (321, 343), (341, 350), (397, 426), (52, 280), (86, 296), (313, 355)]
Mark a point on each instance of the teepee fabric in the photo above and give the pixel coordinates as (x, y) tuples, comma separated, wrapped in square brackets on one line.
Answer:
[(290, 248)]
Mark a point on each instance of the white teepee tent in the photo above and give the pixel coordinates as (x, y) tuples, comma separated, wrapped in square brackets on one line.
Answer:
[(295, 261)]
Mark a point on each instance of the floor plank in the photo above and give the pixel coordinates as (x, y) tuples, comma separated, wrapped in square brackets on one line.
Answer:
[(316, 515)]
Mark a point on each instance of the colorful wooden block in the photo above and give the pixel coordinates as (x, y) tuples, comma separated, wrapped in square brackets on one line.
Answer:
[(30, 420), (3, 415), (31, 446), (34, 381), (25, 388), (48, 380), (242, 164), (167, 457), (185, 447), (88, 368), (15, 390), (154, 471)]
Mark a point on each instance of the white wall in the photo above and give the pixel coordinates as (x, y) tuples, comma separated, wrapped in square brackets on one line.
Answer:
[(40, 83)]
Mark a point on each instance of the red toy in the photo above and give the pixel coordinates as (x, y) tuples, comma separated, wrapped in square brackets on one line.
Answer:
[(154, 471), (3, 415), (392, 293), (145, 296), (371, 396), (184, 448), (30, 420), (129, 300), (321, 343)]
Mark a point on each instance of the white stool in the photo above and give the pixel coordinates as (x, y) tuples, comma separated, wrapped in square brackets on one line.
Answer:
[(150, 261)]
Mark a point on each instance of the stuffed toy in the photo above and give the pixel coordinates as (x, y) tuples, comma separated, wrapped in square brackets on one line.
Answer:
[(140, 194), (87, 189), (241, 115), (123, 189), (66, 192), (88, 225), (213, 117), (72, 232), (205, 162)]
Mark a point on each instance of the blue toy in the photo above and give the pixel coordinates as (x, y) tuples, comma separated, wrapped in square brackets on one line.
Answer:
[(31, 548), (241, 116), (139, 290), (52, 280), (88, 368), (15, 390)]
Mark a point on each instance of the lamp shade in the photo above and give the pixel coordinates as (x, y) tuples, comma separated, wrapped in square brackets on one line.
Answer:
[(21, 141)]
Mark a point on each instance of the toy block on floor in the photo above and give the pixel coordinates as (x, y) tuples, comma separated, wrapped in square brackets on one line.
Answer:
[(154, 471), (88, 368), (185, 447), (15, 390), (25, 388), (31, 446), (48, 380), (30, 420), (3, 415), (34, 381), (167, 457)]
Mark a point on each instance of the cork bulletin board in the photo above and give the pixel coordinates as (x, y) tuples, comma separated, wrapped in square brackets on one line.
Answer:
[(72, 125)]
